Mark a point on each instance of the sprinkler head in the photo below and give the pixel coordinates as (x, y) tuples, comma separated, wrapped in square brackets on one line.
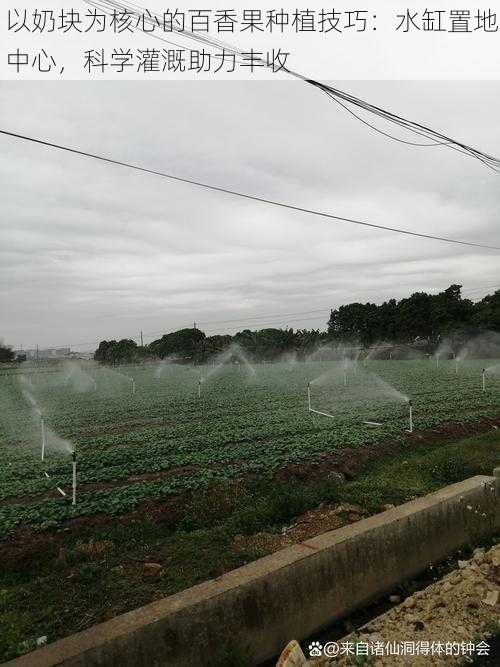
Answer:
[(409, 402), (73, 456)]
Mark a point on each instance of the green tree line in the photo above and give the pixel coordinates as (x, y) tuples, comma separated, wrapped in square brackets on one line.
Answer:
[(421, 317)]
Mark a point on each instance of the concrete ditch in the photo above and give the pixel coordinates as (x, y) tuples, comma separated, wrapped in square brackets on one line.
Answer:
[(294, 592)]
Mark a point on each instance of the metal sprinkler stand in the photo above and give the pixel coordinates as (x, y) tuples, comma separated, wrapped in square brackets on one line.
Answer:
[(310, 409), (410, 429), (199, 388), (484, 378), (73, 502), (44, 436)]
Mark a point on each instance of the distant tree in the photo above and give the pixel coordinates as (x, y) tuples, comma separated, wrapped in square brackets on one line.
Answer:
[(6, 354), (355, 321), (422, 316), (246, 339), (104, 351), (415, 317), (306, 341), (117, 352), (185, 343), (271, 343), (486, 313), (126, 350), (215, 345), (451, 313)]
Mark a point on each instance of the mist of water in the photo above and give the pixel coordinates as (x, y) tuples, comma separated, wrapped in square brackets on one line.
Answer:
[(77, 379), (111, 380), (484, 346), (494, 369), (234, 354), (53, 442), (373, 386), (444, 349)]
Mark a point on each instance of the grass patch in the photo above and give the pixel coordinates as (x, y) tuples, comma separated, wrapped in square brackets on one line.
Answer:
[(77, 580)]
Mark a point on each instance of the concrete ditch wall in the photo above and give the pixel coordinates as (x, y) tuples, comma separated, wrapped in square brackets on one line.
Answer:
[(290, 594)]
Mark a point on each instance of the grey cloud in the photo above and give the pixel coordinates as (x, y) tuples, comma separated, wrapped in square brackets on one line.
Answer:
[(89, 250)]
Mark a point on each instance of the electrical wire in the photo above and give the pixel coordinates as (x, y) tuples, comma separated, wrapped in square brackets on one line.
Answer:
[(235, 193), (437, 138), (269, 319)]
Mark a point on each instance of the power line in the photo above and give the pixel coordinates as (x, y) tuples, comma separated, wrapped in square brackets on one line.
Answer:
[(269, 318), (437, 138), (235, 193), (260, 317)]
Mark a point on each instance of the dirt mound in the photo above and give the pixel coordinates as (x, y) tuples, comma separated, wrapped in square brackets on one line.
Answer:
[(348, 462), (311, 523)]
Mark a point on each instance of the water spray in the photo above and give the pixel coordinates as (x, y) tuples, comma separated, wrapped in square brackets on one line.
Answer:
[(73, 502)]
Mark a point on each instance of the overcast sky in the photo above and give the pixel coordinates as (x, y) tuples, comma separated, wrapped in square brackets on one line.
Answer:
[(91, 251)]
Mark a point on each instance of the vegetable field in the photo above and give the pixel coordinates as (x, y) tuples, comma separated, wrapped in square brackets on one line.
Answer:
[(144, 433)]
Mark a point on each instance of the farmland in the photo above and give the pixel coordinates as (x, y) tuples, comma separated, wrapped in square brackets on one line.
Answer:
[(173, 486), (164, 439)]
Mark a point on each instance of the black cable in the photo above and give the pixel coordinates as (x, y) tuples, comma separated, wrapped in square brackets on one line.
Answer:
[(243, 195), (438, 138)]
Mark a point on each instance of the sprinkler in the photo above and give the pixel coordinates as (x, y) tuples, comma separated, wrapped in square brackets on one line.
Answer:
[(437, 362), (456, 366), (133, 386), (44, 436), (345, 378), (199, 388), (317, 412), (484, 378), (410, 405), (74, 478)]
